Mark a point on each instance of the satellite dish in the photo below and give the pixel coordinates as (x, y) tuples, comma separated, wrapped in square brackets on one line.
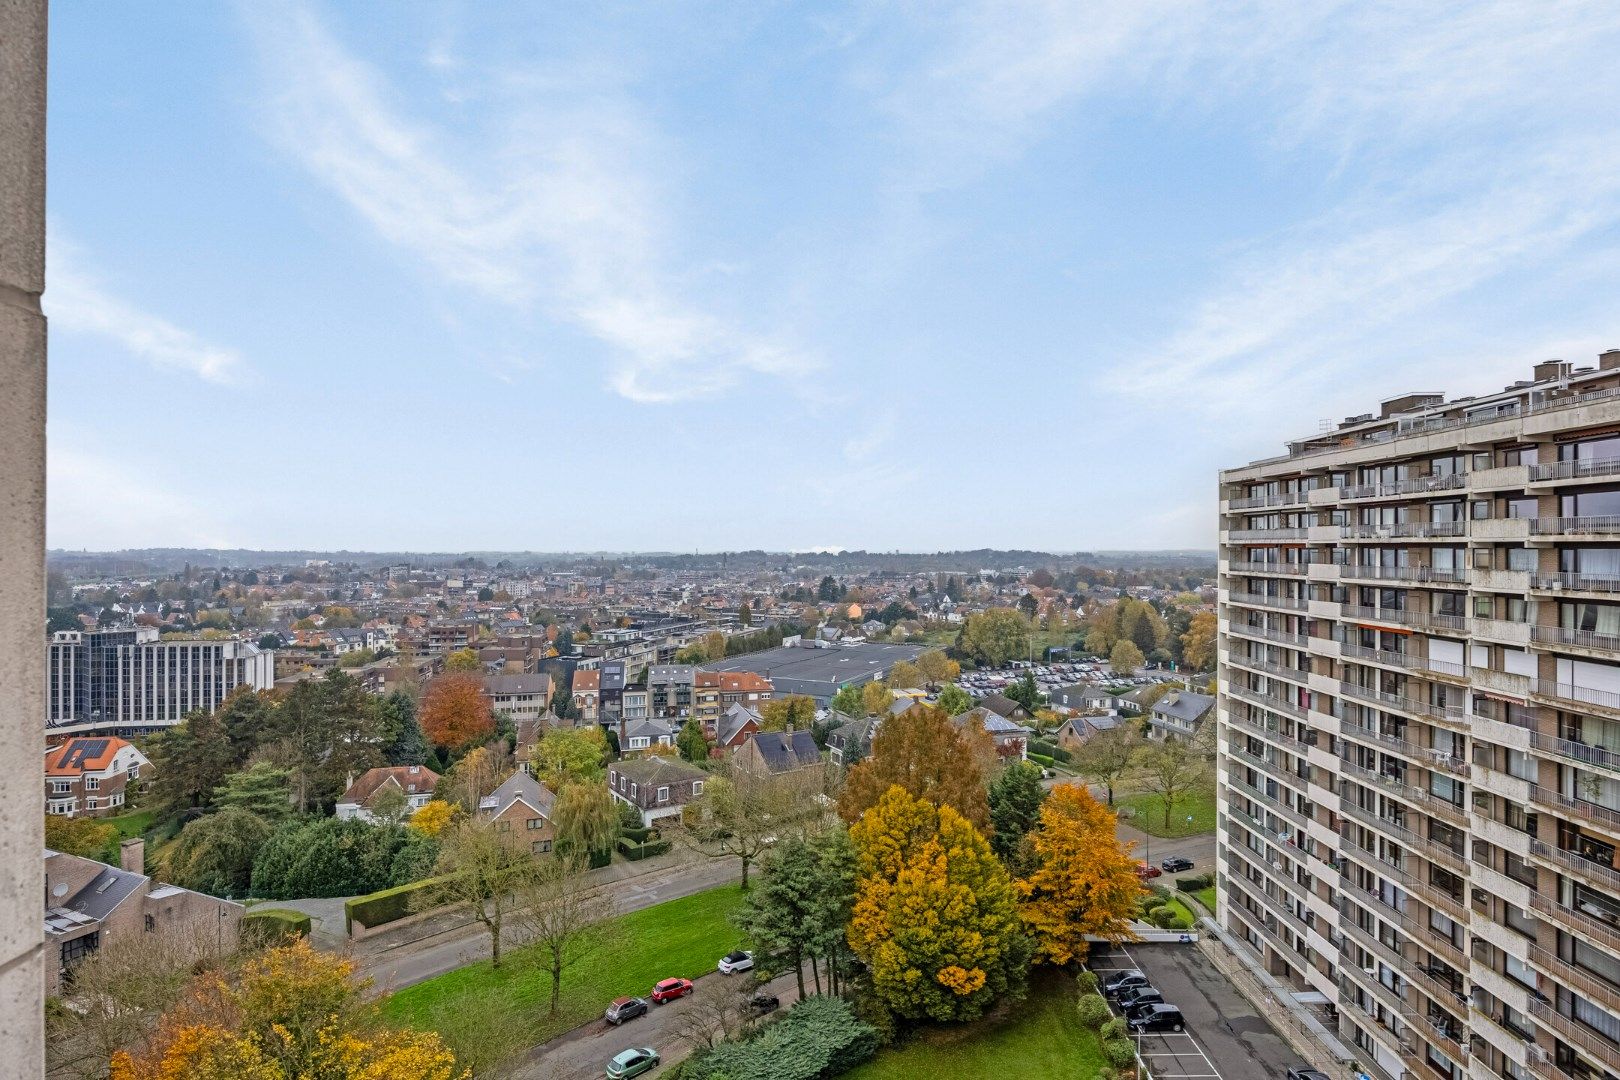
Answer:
[(60, 890)]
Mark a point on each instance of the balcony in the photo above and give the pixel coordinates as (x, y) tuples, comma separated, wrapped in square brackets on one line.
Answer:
[(1255, 825), (1423, 755), (1501, 529), (1502, 580), (1591, 525), (1451, 624), (1266, 701), (1444, 713), (1505, 476), (1263, 536), (1576, 1034), (1277, 806), (1573, 470), (1247, 723), (1261, 502), (1606, 584), (1404, 661), (1564, 973), (1405, 530), (1578, 752), (1281, 671), (1269, 568), (1590, 811), (1282, 603), (1256, 892), (1568, 862), (1582, 698), (1560, 637), (1599, 930), (1298, 641), (1413, 574), (1500, 630), (1412, 485)]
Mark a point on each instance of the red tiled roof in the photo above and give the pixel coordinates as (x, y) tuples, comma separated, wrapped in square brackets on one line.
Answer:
[(85, 754)]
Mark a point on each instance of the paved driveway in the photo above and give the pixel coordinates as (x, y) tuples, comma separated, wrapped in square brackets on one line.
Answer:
[(1226, 1039)]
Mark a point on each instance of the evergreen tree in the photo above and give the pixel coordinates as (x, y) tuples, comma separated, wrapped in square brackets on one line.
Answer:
[(402, 739), (1015, 805)]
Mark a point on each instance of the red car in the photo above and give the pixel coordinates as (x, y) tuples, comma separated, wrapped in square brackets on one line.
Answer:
[(670, 989), (1145, 870)]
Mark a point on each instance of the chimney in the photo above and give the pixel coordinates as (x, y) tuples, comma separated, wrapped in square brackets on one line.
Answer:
[(1551, 369), (1609, 360), (132, 855)]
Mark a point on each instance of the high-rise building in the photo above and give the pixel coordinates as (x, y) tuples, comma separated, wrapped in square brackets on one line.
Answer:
[(1419, 726), (129, 681)]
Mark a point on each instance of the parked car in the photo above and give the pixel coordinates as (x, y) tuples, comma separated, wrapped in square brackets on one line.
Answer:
[(1146, 870), (1125, 980), (1175, 864), (632, 1062), (1136, 997), (1305, 1072), (762, 1003), (1160, 1017), (733, 962), (670, 989), (626, 1008)]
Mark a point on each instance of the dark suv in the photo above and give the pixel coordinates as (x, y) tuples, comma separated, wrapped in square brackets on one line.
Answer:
[(1137, 997), (1160, 1017), (1122, 981), (1175, 864)]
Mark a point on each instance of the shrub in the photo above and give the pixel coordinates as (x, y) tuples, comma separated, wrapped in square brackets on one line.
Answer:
[(1114, 1029), (1050, 749), (312, 857), (636, 852), (1093, 1011), (1041, 759), (821, 1037), (1119, 1052), (1088, 982), (1166, 917), (1196, 883), (637, 835), (386, 906), (273, 926)]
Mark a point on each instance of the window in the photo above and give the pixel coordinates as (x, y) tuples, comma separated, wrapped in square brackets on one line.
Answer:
[(663, 794), (697, 787), (536, 823), (635, 789), (541, 847), (92, 783), (151, 924)]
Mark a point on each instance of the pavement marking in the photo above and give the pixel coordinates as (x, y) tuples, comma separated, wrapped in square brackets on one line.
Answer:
[(1144, 1054)]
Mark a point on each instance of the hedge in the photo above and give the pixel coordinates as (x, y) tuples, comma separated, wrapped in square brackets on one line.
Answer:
[(820, 1037), (267, 925), (1041, 759), (1196, 883), (386, 906), (637, 835), (636, 852), (1051, 750)]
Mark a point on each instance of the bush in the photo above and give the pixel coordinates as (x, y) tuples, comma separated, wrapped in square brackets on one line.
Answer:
[(1164, 917), (637, 835), (386, 906), (1041, 759), (1114, 1029), (819, 1038), (1088, 982), (1093, 1011), (312, 857), (636, 852), (1119, 1052), (1050, 749), (1196, 883), (273, 926)]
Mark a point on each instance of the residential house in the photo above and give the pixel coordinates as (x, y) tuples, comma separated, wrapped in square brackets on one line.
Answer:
[(587, 693), (89, 904), (638, 735), (1082, 698), (1179, 713), (777, 753), (745, 687), (658, 787), (523, 697), (522, 805), (1137, 701), (736, 725), (1075, 731), (1011, 740), (850, 739), (671, 686), (90, 775), (1004, 707), (613, 677), (415, 782)]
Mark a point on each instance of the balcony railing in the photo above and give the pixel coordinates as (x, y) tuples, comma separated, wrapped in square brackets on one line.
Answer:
[(1290, 569), (1298, 641), (1602, 874), (1565, 973), (1413, 530), (1591, 811), (1580, 752), (1412, 485), (1583, 639), (1570, 470), (1284, 603), (1266, 701), (1579, 695), (1401, 703), (1584, 525), (1404, 617), (1251, 536), (1245, 722), (1281, 671), (1403, 573), (1577, 1034), (1249, 791), (1574, 582), (1404, 660)]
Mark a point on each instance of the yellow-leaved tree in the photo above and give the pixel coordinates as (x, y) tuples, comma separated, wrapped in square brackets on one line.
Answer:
[(935, 918), (1085, 880), (432, 817), (290, 1013)]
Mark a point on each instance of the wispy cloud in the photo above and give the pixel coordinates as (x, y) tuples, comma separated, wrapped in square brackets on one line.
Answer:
[(77, 302), (99, 501), (560, 211)]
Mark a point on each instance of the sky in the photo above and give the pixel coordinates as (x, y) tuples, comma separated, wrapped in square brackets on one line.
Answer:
[(683, 276)]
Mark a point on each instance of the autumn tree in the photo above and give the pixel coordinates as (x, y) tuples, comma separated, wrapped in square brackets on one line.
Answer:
[(993, 637), (742, 813), (1126, 658), (482, 871), (1172, 770), (714, 645), (793, 711), (455, 712), (875, 699), (561, 915), (465, 660), (432, 817), (586, 819), (931, 758), (480, 772), (1198, 643), (937, 668), (82, 836), (569, 756), (1108, 756), (1084, 881), (935, 918), (905, 675)]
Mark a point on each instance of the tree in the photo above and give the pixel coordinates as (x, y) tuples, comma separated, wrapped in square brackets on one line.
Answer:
[(1125, 658), (935, 919), (848, 701), (803, 902), (993, 637), (214, 854), (568, 756), (465, 660), (794, 711), (82, 836), (1029, 606), (432, 817), (745, 614), (482, 871), (315, 857), (1015, 805), (322, 731), (289, 1013), (476, 775), (455, 712), (586, 819), (1198, 643), (714, 645), (486, 594), (937, 668), (692, 743), (931, 758), (189, 761), (954, 700), (829, 591), (742, 813), (1085, 880), (561, 915), (390, 807), (875, 699), (262, 790), (402, 740), (1172, 770), (1026, 693), (905, 675), (1108, 755)]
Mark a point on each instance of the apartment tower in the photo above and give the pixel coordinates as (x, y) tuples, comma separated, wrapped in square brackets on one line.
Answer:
[(1419, 727)]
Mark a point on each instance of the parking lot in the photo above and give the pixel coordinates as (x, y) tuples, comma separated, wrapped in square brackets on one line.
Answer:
[(1226, 1039)]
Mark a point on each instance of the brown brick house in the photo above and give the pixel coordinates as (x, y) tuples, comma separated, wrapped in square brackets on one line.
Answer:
[(657, 787), (522, 805), (90, 775)]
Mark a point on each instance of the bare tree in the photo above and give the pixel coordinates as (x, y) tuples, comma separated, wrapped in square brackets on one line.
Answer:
[(1108, 756), (715, 1013), (742, 812), (561, 914), (483, 870), (1171, 769)]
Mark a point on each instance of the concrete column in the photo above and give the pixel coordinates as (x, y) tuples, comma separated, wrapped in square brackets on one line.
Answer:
[(22, 534)]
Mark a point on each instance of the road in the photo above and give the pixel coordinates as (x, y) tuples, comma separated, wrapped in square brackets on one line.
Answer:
[(668, 1029), (415, 961)]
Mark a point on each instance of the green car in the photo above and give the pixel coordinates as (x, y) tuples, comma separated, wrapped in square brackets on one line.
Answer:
[(632, 1062)]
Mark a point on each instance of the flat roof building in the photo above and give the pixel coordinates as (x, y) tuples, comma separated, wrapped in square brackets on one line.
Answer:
[(819, 672)]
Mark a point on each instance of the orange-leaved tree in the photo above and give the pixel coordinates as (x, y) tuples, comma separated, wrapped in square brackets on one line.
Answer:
[(455, 711), (1085, 880), (936, 917), (928, 756), (290, 1013)]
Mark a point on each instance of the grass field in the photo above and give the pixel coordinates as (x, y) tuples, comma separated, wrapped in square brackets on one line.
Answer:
[(1042, 1037), (1207, 898), (680, 938), (132, 825), (1148, 814)]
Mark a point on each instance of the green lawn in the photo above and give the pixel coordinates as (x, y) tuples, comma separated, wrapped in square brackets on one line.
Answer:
[(1149, 813), (680, 938), (1042, 1037), (134, 824), (1207, 898)]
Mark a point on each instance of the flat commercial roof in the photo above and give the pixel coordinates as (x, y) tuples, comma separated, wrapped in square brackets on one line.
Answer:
[(818, 673)]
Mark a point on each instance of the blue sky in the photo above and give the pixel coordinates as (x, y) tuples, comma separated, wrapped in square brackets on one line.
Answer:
[(687, 276)]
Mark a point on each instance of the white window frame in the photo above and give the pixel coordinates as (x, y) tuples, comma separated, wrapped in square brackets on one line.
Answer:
[(663, 794), (697, 787)]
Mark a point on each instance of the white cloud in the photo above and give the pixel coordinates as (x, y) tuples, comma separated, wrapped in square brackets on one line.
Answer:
[(562, 212), (77, 303), (100, 502)]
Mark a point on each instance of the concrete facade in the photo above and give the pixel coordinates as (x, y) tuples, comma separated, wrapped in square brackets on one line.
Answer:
[(22, 528)]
